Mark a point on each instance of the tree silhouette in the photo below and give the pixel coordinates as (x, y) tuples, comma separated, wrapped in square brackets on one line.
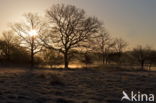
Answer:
[(28, 32), (69, 28), (141, 54), (151, 58), (8, 41), (103, 44), (119, 47), (12, 53), (52, 57)]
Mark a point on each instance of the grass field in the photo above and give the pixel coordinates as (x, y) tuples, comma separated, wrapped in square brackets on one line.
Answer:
[(72, 86)]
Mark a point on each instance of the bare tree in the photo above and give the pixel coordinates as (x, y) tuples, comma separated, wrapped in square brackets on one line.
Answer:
[(8, 40), (28, 32), (151, 58), (52, 57), (86, 51), (10, 37), (119, 47), (103, 44), (141, 54), (70, 27)]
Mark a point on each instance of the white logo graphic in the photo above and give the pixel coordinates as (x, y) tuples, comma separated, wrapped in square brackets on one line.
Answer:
[(125, 96), (138, 97)]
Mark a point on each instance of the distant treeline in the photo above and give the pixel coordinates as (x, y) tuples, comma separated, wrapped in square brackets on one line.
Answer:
[(67, 34)]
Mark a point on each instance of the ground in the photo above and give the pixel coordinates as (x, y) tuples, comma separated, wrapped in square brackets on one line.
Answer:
[(72, 86)]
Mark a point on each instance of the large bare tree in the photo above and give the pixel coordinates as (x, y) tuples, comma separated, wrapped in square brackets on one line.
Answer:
[(28, 31), (69, 28)]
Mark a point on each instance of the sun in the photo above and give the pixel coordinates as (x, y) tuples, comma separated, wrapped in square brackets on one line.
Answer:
[(33, 33)]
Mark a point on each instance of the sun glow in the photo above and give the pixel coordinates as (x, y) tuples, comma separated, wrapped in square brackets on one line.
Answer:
[(33, 33)]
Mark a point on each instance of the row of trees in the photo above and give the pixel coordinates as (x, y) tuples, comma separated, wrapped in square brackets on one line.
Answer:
[(63, 29), (62, 33)]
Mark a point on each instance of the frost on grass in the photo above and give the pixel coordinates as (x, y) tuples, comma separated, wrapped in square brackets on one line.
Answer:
[(74, 86)]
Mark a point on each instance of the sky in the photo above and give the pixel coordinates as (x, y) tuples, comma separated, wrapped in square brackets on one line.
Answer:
[(132, 20)]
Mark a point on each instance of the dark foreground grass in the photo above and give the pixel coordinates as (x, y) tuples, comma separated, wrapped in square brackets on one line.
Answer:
[(72, 86)]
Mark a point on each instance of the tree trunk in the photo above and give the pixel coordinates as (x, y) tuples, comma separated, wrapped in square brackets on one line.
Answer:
[(8, 53), (32, 53), (120, 53), (103, 58), (66, 61), (32, 58), (142, 65), (106, 61)]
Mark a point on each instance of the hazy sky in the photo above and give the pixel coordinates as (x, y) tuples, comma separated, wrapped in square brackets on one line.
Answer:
[(133, 20)]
